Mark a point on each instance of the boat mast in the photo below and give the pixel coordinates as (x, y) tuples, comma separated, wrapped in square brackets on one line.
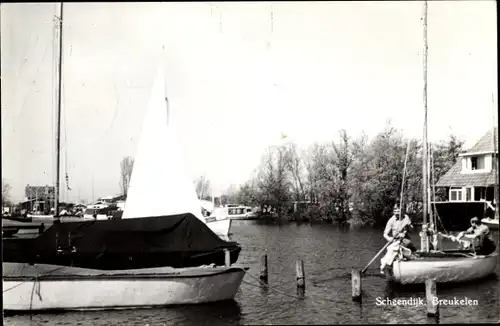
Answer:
[(58, 122), (425, 151), (424, 240), (432, 222), (495, 161)]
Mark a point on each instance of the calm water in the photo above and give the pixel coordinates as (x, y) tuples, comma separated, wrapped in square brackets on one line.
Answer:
[(328, 254)]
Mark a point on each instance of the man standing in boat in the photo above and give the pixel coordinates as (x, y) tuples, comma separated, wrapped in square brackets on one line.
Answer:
[(480, 233), (399, 226)]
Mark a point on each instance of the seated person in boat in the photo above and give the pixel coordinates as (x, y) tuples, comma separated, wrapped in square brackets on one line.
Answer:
[(480, 233), (399, 227)]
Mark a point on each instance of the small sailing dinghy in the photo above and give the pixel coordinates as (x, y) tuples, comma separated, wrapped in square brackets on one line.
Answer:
[(444, 266), (160, 254)]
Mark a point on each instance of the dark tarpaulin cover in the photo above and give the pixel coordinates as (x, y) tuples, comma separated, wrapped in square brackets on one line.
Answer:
[(455, 216), (176, 241)]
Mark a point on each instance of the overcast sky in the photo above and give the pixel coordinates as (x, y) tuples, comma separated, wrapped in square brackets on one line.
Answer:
[(238, 75)]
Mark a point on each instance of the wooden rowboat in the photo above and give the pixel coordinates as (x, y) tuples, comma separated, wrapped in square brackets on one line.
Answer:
[(443, 267)]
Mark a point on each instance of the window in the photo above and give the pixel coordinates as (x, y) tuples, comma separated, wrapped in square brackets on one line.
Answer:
[(473, 161), (456, 194), (477, 163), (468, 194)]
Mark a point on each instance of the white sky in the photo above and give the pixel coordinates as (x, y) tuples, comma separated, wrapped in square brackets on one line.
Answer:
[(235, 80)]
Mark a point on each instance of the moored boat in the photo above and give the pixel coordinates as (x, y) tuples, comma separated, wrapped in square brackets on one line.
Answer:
[(53, 287), (442, 266), (240, 212), (148, 262), (160, 253)]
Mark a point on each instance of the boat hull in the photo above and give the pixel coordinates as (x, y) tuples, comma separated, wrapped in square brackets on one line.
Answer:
[(53, 287), (220, 227), (492, 224), (243, 217), (443, 269)]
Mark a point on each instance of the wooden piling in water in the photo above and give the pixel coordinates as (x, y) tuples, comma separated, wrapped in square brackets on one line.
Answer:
[(356, 285), (301, 277), (263, 268), (431, 297), (227, 257)]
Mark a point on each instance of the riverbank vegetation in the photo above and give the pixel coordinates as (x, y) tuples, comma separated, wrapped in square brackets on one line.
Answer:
[(346, 180)]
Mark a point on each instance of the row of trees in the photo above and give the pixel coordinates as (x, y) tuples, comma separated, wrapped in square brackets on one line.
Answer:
[(349, 179), (357, 180)]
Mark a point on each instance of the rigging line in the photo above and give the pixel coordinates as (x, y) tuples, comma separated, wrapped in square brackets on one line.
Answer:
[(115, 114), (434, 197), (63, 108), (54, 88), (434, 202), (403, 181)]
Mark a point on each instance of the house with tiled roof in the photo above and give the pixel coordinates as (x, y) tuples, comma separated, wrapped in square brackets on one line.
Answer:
[(472, 178), (470, 184)]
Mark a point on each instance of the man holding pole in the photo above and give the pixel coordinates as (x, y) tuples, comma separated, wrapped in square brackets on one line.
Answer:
[(396, 233), (398, 227)]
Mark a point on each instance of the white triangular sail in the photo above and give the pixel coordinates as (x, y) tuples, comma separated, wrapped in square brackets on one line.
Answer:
[(159, 184)]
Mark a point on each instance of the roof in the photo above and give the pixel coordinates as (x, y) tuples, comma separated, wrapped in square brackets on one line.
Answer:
[(484, 145), (453, 178)]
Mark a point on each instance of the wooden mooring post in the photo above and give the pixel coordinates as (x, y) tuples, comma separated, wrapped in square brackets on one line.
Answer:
[(431, 297), (263, 268), (301, 277), (356, 285), (227, 257)]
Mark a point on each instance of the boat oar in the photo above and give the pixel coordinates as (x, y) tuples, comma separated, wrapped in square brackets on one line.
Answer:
[(375, 257)]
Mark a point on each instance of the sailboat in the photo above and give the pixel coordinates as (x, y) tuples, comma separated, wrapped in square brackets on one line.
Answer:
[(159, 184), (444, 266), (160, 254)]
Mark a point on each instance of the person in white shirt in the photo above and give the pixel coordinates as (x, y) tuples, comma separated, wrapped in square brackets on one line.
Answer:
[(398, 227)]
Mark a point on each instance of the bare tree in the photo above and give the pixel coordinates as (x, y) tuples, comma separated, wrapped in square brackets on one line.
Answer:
[(6, 188), (273, 179), (344, 158), (126, 166), (203, 188), (295, 166)]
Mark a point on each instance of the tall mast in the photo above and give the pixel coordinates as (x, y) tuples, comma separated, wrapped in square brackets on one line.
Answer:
[(425, 150), (495, 160), (58, 121), (430, 171)]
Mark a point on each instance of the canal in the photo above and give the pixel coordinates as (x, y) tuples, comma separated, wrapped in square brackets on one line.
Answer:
[(328, 253)]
